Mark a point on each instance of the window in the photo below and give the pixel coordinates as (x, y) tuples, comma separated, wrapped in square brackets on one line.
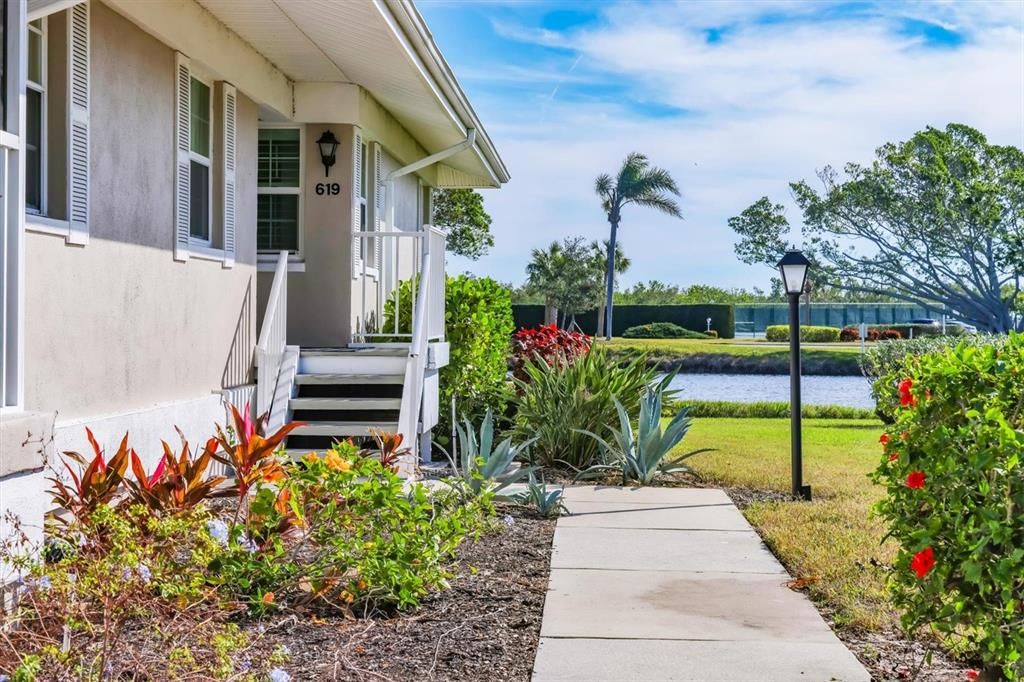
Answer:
[(56, 132), (200, 209), (362, 187), (279, 187), (35, 118)]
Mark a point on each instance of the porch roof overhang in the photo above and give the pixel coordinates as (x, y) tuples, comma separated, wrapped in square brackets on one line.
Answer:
[(385, 47)]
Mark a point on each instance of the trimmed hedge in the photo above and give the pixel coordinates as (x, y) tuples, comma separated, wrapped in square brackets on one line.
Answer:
[(661, 330), (780, 332), (723, 317)]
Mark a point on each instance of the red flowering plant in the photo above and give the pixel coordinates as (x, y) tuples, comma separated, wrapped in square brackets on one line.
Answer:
[(953, 467), (558, 347)]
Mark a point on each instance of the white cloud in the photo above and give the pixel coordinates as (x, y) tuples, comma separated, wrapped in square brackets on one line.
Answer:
[(772, 103)]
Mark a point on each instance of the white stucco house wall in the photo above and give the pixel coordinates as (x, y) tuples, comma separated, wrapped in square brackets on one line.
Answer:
[(174, 237)]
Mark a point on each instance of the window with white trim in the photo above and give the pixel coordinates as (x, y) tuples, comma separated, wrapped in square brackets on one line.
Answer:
[(200, 172), (279, 191), (57, 124), (35, 119)]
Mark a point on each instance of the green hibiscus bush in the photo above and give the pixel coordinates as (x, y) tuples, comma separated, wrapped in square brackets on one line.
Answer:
[(952, 467)]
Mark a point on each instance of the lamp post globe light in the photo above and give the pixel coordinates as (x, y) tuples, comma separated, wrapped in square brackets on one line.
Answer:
[(793, 268)]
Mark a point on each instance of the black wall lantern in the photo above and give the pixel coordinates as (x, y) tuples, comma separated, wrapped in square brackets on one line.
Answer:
[(328, 144)]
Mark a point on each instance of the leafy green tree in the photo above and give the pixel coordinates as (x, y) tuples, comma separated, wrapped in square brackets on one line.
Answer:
[(937, 220), (461, 212), (640, 184)]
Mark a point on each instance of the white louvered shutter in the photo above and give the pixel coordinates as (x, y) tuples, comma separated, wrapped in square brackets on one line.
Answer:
[(357, 192), (378, 204), (182, 144), (78, 145), (230, 132)]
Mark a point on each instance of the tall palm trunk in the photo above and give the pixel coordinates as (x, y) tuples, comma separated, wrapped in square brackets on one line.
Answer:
[(610, 284), (600, 318)]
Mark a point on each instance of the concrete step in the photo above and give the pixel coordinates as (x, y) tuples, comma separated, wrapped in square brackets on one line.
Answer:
[(354, 352), (327, 378), (343, 428), (345, 403)]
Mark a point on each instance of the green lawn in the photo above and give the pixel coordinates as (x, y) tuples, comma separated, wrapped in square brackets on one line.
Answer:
[(833, 540)]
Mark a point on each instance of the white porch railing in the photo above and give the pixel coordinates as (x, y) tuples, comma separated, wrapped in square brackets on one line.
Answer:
[(270, 350), (416, 315), (403, 256), (10, 273)]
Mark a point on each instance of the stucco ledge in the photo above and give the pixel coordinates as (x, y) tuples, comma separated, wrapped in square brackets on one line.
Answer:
[(26, 441)]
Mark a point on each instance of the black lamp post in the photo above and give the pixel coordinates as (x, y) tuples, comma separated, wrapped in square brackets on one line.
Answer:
[(328, 145), (793, 267)]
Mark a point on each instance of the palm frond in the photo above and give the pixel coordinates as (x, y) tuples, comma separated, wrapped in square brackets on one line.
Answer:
[(659, 202)]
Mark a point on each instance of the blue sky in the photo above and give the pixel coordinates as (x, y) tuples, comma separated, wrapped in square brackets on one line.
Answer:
[(735, 98)]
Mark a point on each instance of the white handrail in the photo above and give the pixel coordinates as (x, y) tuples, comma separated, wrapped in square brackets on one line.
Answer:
[(415, 366), (270, 349)]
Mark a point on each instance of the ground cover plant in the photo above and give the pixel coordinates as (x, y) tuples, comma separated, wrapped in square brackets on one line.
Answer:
[(951, 465), (165, 570)]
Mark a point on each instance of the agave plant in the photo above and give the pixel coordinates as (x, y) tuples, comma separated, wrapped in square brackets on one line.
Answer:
[(643, 455), (98, 482), (483, 466), (547, 503)]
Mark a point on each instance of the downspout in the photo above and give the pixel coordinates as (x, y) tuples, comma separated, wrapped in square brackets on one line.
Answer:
[(389, 179)]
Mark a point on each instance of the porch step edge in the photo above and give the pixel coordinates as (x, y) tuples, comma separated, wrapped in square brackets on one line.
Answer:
[(334, 378), (345, 403), (343, 428)]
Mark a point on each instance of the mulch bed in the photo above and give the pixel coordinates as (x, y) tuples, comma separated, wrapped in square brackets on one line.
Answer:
[(486, 627)]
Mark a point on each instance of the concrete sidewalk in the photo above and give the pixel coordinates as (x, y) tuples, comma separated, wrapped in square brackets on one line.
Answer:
[(659, 584)]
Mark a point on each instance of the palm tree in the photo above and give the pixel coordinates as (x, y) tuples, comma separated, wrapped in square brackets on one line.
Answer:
[(640, 184), (542, 276), (597, 262)]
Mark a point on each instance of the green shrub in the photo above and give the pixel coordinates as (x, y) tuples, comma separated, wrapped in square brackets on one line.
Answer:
[(953, 470), (661, 330), (887, 363), (917, 331), (769, 410), (478, 325), (554, 403), (808, 333)]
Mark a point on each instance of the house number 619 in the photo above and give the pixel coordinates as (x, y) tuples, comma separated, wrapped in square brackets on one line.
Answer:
[(328, 188)]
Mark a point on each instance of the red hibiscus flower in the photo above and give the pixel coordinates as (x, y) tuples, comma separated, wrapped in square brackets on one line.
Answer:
[(884, 439), (906, 397), (971, 674), (915, 480), (923, 562)]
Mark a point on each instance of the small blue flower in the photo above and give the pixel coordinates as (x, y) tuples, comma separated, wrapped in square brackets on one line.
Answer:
[(279, 675), (508, 521), (218, 530), (44, 583), (248, 545), (4, 678), (144, 573)]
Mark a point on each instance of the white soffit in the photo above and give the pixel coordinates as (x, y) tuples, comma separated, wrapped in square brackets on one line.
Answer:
[(355, 41)]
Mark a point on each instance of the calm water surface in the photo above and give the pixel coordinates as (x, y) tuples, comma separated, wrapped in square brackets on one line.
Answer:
[(851, 391)]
